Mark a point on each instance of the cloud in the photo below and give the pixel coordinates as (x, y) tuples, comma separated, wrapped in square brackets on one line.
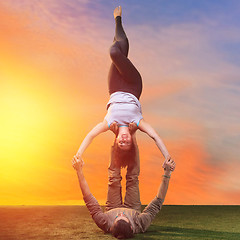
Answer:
[(77, 19), (59, 53), (187, 77), (196, 180)]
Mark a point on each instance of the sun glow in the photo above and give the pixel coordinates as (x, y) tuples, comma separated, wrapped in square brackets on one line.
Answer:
[(53, 69), (28, 126)]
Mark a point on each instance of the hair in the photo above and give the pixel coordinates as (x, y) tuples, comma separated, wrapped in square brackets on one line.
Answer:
[(123, 157), (122, 230)]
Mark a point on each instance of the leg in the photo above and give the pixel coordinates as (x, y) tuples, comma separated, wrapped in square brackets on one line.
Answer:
[(121, 37), (132, 197), (114, 195), (123, 76), (124, 66)]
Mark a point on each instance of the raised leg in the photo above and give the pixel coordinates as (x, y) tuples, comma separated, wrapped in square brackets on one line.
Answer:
[(114, 195), (124, 66), (123, 76), (132, 197)]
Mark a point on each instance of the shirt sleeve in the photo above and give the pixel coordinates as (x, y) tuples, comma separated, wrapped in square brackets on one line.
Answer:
[(140, 118), (99, 217), (149, 213), (107, 118)]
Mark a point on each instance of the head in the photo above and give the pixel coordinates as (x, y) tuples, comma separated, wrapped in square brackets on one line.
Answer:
[(124, 139), (122, 228), (123, 157)]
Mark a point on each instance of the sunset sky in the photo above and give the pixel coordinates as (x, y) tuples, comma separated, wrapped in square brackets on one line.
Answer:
[(54, 63)]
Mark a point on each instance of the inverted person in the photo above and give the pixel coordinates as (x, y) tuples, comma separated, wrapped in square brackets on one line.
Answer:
[(123, 109)]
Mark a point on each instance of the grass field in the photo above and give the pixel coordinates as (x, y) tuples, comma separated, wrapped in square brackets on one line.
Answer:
[(74, 222)]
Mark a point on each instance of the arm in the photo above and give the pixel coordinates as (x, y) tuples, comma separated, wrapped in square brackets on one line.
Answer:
[(78, 165), (155, 205), (99, 128), (92, 204), (169, 167), (147, 128)]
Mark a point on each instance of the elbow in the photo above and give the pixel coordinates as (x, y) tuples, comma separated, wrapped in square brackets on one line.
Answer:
[(153, 137), (89, 137)]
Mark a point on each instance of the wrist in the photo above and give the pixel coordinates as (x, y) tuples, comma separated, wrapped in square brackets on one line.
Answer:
[(166, 177), (79, 172), (167, 173), (167, 156)]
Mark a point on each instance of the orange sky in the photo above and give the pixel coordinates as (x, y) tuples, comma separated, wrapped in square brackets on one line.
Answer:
[(53, 91)]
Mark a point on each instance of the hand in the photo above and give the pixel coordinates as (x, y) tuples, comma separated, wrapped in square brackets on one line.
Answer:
[(165, 161), (77, 163), (169, 164), (132, 127), (114, 128)]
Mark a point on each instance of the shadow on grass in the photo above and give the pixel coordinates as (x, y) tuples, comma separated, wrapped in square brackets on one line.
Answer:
[(163, 232)]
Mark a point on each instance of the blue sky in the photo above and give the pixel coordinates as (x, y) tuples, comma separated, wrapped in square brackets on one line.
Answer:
[(188, 53)]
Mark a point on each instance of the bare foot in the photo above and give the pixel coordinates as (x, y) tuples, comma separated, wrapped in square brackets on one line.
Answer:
[(117, 12)]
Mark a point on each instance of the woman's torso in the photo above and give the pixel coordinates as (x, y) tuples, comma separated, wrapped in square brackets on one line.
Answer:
[(123, 108)]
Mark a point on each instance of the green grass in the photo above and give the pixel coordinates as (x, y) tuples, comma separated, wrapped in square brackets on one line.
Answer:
[(74, 222), (195, 222)]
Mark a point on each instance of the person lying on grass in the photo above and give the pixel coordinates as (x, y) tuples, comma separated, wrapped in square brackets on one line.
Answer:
[(120, 219)]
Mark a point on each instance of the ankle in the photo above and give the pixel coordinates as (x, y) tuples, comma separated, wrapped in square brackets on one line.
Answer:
[(118, 19)]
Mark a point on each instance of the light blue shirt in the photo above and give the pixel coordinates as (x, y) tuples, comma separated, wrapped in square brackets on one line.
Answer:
[(123, 108)]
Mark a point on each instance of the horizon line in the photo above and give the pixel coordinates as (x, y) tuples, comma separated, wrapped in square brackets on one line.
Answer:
[(83, 205)]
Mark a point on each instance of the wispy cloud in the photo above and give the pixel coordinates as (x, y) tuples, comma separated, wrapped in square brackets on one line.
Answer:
[(59, 53)]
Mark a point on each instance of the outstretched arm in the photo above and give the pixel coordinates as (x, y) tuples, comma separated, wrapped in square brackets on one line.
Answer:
[(77, 164), (155, 205), (169, 167), (147, 128), (99, 128), (92, 204)]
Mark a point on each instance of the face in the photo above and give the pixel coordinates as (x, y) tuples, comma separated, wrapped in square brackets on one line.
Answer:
[(121, 216), (124, 141)]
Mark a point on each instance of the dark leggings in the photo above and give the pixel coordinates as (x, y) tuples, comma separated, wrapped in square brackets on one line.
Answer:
[(123, 76)]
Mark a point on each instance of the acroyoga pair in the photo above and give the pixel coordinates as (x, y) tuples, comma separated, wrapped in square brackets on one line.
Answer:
[(124, 117)]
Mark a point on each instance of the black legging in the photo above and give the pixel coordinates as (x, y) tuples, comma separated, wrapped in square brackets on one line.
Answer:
[(123, 76)]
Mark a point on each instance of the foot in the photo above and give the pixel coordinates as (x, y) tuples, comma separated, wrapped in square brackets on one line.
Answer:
[(117, 12)]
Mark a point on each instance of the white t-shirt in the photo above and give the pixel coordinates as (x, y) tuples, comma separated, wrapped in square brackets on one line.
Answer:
[(123, 108)]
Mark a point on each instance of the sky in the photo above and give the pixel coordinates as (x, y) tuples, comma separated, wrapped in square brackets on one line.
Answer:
[(54, 63)]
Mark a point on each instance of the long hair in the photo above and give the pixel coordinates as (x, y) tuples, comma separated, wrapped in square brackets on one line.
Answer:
[(123, 157), (122, 230)]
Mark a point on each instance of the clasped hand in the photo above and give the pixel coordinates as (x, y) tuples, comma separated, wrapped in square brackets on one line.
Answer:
[(132, 128), (77, 163), (169, 164)]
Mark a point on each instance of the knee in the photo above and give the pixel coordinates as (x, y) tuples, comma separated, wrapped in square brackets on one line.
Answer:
[(114, 52), (114, 180), (133, 170), (132, 180)]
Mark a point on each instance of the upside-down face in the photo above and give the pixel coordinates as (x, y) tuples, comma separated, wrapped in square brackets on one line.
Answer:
[(124, 140)]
